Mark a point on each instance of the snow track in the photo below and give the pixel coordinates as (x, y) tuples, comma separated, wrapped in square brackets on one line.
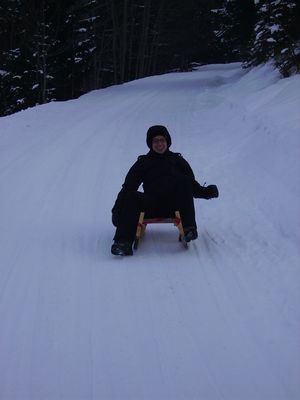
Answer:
[(219, 321)]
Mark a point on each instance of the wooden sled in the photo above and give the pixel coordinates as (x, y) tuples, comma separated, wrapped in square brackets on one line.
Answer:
[(143, 222)]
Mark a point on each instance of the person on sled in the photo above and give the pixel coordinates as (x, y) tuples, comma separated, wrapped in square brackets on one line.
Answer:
[(169, 184)]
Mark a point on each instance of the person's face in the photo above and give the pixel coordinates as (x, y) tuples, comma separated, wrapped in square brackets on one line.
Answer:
[(159, 144)]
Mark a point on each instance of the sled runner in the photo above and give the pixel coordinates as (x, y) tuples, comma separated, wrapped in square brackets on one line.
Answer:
[(143, 222)]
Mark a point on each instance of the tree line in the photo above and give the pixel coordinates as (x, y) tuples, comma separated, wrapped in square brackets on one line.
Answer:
[(54, 50)]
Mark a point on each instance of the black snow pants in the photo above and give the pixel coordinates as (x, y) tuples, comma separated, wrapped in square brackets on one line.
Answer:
[(156, 205)]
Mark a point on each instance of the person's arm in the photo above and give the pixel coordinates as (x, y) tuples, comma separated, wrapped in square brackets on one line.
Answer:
[(199, 192)]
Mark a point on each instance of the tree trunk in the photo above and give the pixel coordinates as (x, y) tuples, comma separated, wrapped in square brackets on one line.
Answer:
[(123, 47), (140, 67), (115, 32)]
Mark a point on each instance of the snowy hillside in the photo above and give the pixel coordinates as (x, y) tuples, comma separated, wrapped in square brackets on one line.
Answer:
[(219, 321)]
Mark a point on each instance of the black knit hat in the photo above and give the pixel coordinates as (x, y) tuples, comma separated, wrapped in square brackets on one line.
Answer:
[(158, 130)]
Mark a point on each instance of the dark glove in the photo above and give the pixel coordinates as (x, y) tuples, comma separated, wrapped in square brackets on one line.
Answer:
[(210, 191)]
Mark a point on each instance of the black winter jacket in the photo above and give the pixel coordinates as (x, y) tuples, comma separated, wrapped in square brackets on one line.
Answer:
[(158, 173)]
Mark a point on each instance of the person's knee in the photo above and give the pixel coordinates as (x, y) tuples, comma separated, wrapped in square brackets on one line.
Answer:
[(131, 196), (133, 200)]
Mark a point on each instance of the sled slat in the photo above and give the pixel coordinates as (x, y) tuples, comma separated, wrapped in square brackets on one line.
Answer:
[(143, 222)]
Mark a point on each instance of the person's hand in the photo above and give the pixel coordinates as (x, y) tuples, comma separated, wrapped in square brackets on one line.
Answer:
[(210, 192)]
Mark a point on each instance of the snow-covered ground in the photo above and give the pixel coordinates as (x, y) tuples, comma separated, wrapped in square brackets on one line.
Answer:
[(219, 321)]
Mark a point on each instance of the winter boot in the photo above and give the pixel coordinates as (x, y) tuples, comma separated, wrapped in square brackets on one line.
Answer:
[(190, 233), (121, 249)]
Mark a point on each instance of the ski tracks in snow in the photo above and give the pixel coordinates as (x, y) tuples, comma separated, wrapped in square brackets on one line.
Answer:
[(216, 322)]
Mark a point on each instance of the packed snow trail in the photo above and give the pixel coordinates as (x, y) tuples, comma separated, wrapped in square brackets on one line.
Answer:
[(219, 321)]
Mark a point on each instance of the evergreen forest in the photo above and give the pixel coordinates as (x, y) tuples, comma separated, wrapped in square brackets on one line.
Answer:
[(58, 50)]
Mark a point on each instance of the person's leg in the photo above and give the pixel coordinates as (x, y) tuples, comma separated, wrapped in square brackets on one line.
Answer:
[(181, 198), (184, 202), (132, 205)]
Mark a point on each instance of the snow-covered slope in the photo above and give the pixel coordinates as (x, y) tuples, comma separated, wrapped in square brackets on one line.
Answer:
[(219, 321)]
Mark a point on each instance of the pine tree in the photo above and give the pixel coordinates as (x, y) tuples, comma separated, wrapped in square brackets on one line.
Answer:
[(277, 35), (287, 46), (27, 58), (85, 18), (188, 35), (41, 46), (13, 65), (234, 20)]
